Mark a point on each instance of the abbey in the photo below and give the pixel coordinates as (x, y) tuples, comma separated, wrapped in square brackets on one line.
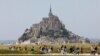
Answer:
[(49, 30)]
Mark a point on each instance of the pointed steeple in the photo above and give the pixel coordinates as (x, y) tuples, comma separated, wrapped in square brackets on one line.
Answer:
[(50, 12), (50, 9)]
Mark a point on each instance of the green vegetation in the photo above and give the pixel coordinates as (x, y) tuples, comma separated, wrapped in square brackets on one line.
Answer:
[(99, 44), (4, 49)]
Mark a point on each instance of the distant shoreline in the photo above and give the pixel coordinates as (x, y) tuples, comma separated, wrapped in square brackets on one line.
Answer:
[(7, 41)]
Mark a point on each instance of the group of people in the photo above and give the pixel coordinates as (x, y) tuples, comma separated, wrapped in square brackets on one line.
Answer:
[(94, 50), (46, 49), (14, 48), (72, 49), (77, 50), (49, 49)]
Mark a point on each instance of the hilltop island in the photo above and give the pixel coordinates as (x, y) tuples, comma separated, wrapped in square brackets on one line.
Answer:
[(49, 30)]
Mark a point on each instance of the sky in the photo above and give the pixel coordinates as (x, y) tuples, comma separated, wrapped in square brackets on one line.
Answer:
[(82, 17)]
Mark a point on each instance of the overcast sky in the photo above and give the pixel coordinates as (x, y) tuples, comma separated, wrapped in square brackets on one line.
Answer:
[(82, 17)]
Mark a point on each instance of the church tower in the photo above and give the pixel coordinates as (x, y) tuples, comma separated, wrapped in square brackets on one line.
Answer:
[(50, 12)]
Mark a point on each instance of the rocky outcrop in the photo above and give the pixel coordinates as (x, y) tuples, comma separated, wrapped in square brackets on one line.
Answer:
[(49, 30)]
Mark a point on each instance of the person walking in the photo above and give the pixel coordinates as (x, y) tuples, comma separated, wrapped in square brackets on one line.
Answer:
[(62, 49), (81, 50), (65, 49), (25, 48), (32, 50), (43, 49), (71, 49), (96, 48), (50, 49), (78, 50), (92, 50)]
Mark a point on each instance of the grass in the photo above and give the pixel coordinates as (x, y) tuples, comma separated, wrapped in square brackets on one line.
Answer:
[(4, 48)]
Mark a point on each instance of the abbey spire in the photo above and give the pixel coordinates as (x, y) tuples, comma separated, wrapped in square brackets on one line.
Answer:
[(50, 11)]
